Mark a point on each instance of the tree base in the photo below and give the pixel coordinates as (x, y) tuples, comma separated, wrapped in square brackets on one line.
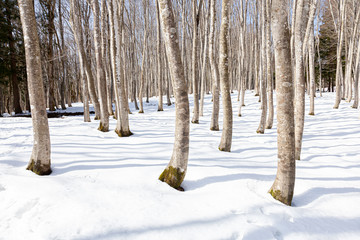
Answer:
[(276, 194), (215, 128), (195, 121), (224, 148), (260, 131), (38, 168), (173, 177), (141, 111), (96, 118), (311, 113), (102, 128), (239, 115), (121, 133)]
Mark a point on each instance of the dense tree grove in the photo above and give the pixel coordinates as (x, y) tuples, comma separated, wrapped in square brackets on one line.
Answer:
[(248, 38), (110, 52)]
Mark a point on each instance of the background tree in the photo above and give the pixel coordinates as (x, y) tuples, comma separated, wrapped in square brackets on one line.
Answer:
[(226, 137)]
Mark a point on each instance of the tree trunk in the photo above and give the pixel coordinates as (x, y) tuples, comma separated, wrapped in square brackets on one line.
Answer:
[(122, 126), (263, 75), (40, 158), (195, 79), (339, 52), (312, 70), (349, 63), (175, 171), (214, 126), (299, 79), (50, 71), (270, 90), (226, 137), (283, 186), (144, 55), (203, 70), (100, 73), (357, 76), (159, 68), (105, 57)]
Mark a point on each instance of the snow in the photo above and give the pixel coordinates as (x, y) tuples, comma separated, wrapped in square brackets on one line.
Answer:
[(106, 187)]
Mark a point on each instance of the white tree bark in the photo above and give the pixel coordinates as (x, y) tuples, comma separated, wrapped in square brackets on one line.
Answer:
[(195, 79), (226, 137), (214, 125), (175, 171), (339, 52), (100, 73), (159, 68), (349, 63), (299, 78), (311, 44), (283, 186), (40, 162), (263, 75), (270, 89)]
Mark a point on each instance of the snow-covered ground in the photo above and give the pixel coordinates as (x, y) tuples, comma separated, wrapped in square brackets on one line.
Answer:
[(106, 187)]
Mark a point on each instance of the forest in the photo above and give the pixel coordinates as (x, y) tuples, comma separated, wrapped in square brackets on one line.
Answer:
[(225, 99)]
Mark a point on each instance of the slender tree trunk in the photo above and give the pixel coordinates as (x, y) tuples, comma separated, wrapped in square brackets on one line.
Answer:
[(214, 126), (144, 56), (339, 52), (263, 75), (122, 125), (175, 171), (159, 68), (78, 35), (270, 89), (349, 64), (226, 137), (205, 61), (50, 65), (241, 58), (357, 76), (105, 56), (195, 79), (299, 79), (40, 162), (283, 186), (100, 73), (312, 71)]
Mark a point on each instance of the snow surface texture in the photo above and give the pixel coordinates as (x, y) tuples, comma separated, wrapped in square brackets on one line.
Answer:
[(106, 187)]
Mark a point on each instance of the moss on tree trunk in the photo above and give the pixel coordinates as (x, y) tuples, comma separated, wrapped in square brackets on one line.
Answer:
[(38, 168), (173, 177)]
